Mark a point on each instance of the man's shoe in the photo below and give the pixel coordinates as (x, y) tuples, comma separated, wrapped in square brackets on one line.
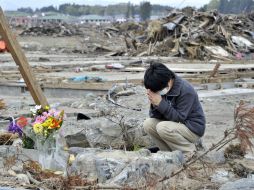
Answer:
[(200, 145), (153, 149)]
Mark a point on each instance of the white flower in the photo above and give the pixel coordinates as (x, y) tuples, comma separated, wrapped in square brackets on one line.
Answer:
[(37, 107), (33, 110)]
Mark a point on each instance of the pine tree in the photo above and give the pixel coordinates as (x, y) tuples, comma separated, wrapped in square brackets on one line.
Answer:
[(145, 10)]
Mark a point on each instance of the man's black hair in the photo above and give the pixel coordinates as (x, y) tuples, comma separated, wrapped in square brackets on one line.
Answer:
[(157, 77)]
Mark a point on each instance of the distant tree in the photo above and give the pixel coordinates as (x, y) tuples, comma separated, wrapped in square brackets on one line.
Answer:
[(236, 6), (26, 10), (203, 8), (145, 10), (62, 8), (128, 11), (160, 9), (133, 12), (246, 6), (213, 4), (49, 9), (71, 10), (223, 6)]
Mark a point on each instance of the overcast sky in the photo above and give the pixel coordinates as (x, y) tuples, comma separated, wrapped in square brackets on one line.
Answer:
[(14, 4)]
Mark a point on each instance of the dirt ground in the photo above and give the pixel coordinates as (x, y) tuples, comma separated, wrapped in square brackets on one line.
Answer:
[(219, 110)]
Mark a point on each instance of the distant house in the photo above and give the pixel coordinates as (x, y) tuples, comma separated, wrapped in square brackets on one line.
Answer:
[(120, 18), (16, 18), (53, 17), (96, 19)]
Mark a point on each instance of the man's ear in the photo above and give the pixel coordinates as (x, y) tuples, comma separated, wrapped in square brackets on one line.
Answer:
[(170, 83)]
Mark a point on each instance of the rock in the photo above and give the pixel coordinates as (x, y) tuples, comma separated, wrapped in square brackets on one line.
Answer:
[(220, 176), (249, 156), (217, 50), (23, 179), (116, 89), (12, 173), (242, 168), (242, 42), (125, 93), (44, 59), (241, 184), (186, 184), (92, 105), (124, 168), (103, 133), (31, 46), (23, 154), (17, 168), (215, 157), (140, 138), (17, 143), (9, 188), (77, 140)]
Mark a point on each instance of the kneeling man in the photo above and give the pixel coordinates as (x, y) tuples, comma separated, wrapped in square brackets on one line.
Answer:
[(177, 119)]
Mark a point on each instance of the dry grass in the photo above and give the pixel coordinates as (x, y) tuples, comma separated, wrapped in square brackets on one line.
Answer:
[(7, 138), (243, 131), (244, 125), (2, 104)]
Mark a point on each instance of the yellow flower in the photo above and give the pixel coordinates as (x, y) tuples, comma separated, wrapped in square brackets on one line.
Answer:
[(38, 128), (48, 122), (46, 107)]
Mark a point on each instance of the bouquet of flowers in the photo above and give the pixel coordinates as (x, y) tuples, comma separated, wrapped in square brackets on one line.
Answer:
[(46, 121), (40, 132), (44, 124)]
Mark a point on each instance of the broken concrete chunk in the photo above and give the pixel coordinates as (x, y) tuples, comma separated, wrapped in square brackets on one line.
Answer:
[(23, 179), (220, 176), (217, 50), (242, 42), (125, 93), (250, 33), (125, 168), (243, 184), (172, 25), (77, 140)]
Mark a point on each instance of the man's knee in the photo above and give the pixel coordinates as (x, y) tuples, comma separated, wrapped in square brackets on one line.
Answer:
[(166, 129), (149, 124)]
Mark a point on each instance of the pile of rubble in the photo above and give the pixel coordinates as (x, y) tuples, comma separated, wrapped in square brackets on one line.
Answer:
[(49, 29), (197, 35), (185, 33)]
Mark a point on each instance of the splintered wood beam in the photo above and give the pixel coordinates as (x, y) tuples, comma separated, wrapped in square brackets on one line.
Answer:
[(21, 60)]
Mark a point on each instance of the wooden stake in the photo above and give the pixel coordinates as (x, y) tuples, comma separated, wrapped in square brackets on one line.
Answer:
[(21, 60), (215, 70)]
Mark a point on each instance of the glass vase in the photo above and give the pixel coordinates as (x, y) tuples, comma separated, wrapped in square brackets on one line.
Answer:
[(46, 149)]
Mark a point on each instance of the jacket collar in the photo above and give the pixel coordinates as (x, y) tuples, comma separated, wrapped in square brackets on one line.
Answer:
[(175, 90)]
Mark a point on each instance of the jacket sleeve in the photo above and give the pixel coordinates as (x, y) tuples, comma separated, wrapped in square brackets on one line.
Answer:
[(182, 109), (154, 113)]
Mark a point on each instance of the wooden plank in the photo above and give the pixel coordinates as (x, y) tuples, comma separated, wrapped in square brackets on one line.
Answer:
[(91, 85), (21, 60)]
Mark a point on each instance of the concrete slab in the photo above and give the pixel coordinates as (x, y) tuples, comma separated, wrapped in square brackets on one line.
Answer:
[(225, 92)]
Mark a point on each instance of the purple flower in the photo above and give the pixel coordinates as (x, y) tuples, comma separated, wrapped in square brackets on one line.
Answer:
[(14, 128)]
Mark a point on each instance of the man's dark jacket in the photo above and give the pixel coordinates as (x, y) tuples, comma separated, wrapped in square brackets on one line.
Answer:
[(181, 104)]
